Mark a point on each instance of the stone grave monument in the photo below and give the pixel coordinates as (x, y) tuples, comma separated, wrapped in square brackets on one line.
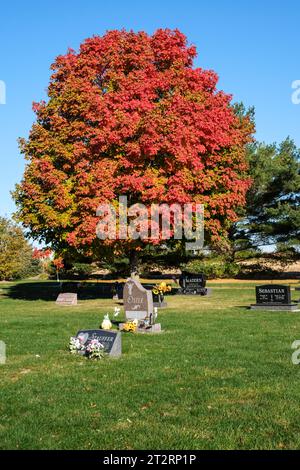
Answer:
[(111, 340), (193, 284), (274, 297), (138, 305)]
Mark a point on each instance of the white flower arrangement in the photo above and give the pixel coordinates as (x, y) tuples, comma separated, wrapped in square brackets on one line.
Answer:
[(117, 312), (76, 345), (93, 350)]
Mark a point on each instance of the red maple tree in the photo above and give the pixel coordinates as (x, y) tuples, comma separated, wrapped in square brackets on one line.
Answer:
[(130, 115)]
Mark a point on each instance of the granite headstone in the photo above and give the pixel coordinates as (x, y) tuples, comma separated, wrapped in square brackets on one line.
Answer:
[(111, 340), (138, 301), (273, 297), (192, 284), (67, 299)]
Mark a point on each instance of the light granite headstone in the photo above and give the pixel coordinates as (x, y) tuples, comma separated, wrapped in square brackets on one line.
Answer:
[(138, 301)]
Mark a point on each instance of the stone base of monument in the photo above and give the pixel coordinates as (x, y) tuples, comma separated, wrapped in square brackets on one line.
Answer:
[(160, 304), (276, 308), (156, 328), (200, 292)]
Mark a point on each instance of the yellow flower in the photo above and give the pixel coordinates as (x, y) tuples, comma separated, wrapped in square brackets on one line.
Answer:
[(130, 326)]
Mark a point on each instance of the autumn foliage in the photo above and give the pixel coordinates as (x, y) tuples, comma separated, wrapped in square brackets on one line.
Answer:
[(130, 115)]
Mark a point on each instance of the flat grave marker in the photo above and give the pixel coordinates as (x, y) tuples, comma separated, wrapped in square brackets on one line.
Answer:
[(67, 299)]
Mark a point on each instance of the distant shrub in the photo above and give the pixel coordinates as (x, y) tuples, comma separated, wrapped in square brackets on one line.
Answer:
[(212, 267), (76, 271), (81, 270), (43, 276), (247, 254), (257, 271), (231, 269), (31, 268)]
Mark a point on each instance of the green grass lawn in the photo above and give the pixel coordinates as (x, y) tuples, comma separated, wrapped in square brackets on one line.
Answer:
[(219, 377)]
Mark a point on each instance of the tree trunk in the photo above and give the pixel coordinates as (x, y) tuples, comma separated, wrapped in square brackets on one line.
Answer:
[(134, 264)]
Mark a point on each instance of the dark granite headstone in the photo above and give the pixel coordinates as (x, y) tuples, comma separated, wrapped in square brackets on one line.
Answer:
[(273, 297), (273, 294), (192, 284), (158, 299), (118, 290), (111, 340)]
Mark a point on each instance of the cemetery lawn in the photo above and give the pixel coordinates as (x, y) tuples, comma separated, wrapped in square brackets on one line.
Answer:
[(219, 377)]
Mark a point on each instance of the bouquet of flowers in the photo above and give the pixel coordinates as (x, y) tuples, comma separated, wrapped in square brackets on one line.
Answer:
[(76, 345), (93, 350), (161, 288), (130, 326)]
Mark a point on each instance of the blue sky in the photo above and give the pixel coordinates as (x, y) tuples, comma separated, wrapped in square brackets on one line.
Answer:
[(252, 45)]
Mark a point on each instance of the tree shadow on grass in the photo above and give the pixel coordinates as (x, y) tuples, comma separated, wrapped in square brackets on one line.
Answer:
[(32, 291), (48, 291)]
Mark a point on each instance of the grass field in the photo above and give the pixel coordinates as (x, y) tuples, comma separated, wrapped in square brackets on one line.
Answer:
[(219, 377)]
